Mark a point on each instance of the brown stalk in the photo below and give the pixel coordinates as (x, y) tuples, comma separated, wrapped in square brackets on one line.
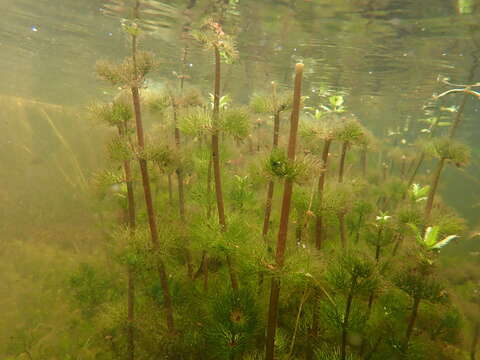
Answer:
[(180, 181), (130, 220), (343, 229), (473, 347), (433, 189), (216, 164), (345, 322), (146, 186), (170, 189), (411, 322), (363, 160), (342, 161), (271, 183), (284, 215), (320, 188)]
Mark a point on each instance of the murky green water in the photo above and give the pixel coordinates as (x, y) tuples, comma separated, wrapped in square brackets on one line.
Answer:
[(383, 56)]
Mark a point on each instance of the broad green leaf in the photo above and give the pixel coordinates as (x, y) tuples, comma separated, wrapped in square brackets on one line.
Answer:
[(336, 100), (431, 235), (444, 123), (444, 242)]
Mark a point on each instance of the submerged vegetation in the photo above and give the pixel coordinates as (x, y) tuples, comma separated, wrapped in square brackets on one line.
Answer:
[(281, 229)]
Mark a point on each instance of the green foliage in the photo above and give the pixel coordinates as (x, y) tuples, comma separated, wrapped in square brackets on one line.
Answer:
[(233, 325), (419, 283), (418, 193), (431, 239), (352, 273), (454, 151), (211, 35), (119, 149), (124, 74), (341, 198), (350, 131), (115, 113), (241, 191), (278, 166), (268, 104), (91, 289), (163, 155), (328, 353), (235, 122), (261, 104)]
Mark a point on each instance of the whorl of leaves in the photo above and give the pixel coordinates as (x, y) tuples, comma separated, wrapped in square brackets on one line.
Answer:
[(211, 35), (234, 325), (351, 131), (353, 273), (163, 155), (114, 114), (196, 121), (124, 74), (419, 282), (157, 102), (263, 104), (446, 148), (277, 165), (340, 198), (235, 122), (119, 149)]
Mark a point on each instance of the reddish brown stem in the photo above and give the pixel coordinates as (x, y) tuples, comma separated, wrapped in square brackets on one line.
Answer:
[(473, 347), (364, 162), (346, 319), (180, 183), (215, 144), (130, 219), (205, 272), (284, 216), (343, 230), (216, 165), (150, 210), (342, 161), (433, 189), (170, 189), (209, 188), (320, 188), (271, 184), (411, 322), (415, 170)]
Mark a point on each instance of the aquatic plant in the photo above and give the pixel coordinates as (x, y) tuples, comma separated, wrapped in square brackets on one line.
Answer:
[(131, 74), (446, 150), (285, 212), (349, 133), (274, 105), (212, 36), (349, 277), (419, 282), (119, 114)]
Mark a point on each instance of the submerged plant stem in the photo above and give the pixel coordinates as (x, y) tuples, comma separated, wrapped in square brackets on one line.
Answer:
[(216, 165), (271, 183), (411, 322), (433, 189), (320, 189), (147, 191), (342, 161), (284, 216)]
